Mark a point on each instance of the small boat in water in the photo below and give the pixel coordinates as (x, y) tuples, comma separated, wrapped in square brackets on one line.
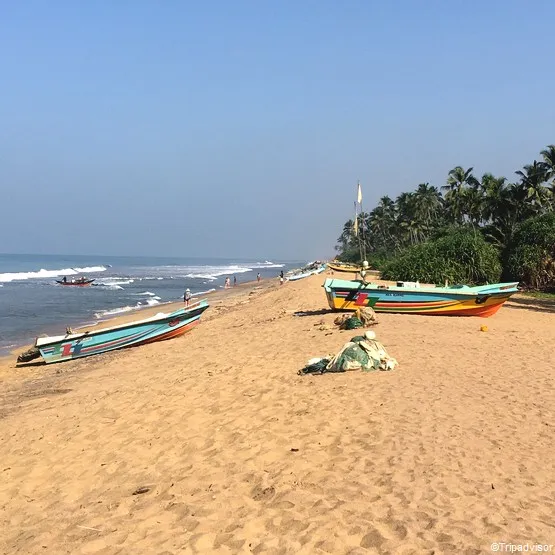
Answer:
[(411, 298), (76, 345), (81, 282)]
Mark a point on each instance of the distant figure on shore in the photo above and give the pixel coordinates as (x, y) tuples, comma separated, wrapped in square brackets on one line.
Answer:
[(258, 277), (64, 279), (234, 281), (187, 297), (281, 274), (227, 283), (281, 280)]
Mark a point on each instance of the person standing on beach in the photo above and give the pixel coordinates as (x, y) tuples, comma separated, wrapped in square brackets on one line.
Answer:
[(187, 297), (258, 277), (234, 281), (227, 283)]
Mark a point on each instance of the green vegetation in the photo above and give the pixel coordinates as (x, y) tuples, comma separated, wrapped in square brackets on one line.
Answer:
[(540, 295), (469, 230), (461, 257), (530, 257)]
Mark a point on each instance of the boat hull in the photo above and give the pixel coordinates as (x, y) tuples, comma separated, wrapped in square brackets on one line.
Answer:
[(135, 333), (350, 268), (296, 277), (483, 302), (85, 283)]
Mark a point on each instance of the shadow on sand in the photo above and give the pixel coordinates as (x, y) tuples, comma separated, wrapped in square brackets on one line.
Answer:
[(29, 364), (533, 303)]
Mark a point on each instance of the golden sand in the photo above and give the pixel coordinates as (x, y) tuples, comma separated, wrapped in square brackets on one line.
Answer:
[(236, 453)]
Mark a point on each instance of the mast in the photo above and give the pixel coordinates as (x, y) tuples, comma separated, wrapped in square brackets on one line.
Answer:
[(361, 238), (357, 231)]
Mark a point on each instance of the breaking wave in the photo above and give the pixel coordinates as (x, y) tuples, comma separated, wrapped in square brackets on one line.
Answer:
[(115, 281), (203, 292), (43, 274), (120, 310)]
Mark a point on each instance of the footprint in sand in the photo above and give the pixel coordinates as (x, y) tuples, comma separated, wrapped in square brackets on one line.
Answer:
[(260, 494)]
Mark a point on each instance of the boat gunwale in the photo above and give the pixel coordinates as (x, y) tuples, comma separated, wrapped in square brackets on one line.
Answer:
[(466, 291), (160, 317)]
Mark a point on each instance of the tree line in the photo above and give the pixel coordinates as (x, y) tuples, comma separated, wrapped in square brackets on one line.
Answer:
[(491, 207)]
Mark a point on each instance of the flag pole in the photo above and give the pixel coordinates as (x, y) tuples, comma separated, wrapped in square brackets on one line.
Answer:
[(357, 231), (361, 239)]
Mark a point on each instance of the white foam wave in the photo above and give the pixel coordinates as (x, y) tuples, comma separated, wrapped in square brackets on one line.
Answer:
[(145, 294), (115, 281), (114, 311), (122, 309), (42, 273), (268, 264), (207, 272), (212, 273), (203, 292)]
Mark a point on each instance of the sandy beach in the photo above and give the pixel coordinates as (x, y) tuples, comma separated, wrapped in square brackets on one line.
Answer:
[(236, 453)]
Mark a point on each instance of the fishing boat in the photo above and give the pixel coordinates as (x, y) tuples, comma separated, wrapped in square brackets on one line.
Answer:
[(412, 298), (81, 282), (76, 345), (343, 266), (304, 274)]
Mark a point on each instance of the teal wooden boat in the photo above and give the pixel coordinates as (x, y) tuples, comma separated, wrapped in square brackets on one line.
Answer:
[(411, 298), (156, 328)]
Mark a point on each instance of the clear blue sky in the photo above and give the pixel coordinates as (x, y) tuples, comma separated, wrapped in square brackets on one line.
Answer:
[(240, 128)]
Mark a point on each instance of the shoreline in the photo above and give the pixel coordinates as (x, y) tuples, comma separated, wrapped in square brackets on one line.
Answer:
[(146, 312)]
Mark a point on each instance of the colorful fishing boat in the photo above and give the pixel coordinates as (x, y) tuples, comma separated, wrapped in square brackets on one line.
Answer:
[(81, 282), (343, 266), (156, 328), (483, 300)]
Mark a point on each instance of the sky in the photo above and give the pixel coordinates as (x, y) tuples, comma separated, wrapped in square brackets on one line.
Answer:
[(240, 128)]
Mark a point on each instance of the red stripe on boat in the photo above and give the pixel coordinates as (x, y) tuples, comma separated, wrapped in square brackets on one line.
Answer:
[(361, 299)]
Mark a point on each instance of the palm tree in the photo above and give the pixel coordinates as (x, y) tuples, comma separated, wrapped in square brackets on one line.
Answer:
[(411, 227), (548, 155), (532, 178), (381, 226), (346, 237), (457, 180), (472, 204), (428, 205), (492, 190)]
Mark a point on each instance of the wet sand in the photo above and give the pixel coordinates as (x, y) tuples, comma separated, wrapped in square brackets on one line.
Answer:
[(236, 453)]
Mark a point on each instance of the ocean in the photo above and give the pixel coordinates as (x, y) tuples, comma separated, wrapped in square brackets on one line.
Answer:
[(32, 303)]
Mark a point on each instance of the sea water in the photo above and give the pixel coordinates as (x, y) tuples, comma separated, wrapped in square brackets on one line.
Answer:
[(33, 304)]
